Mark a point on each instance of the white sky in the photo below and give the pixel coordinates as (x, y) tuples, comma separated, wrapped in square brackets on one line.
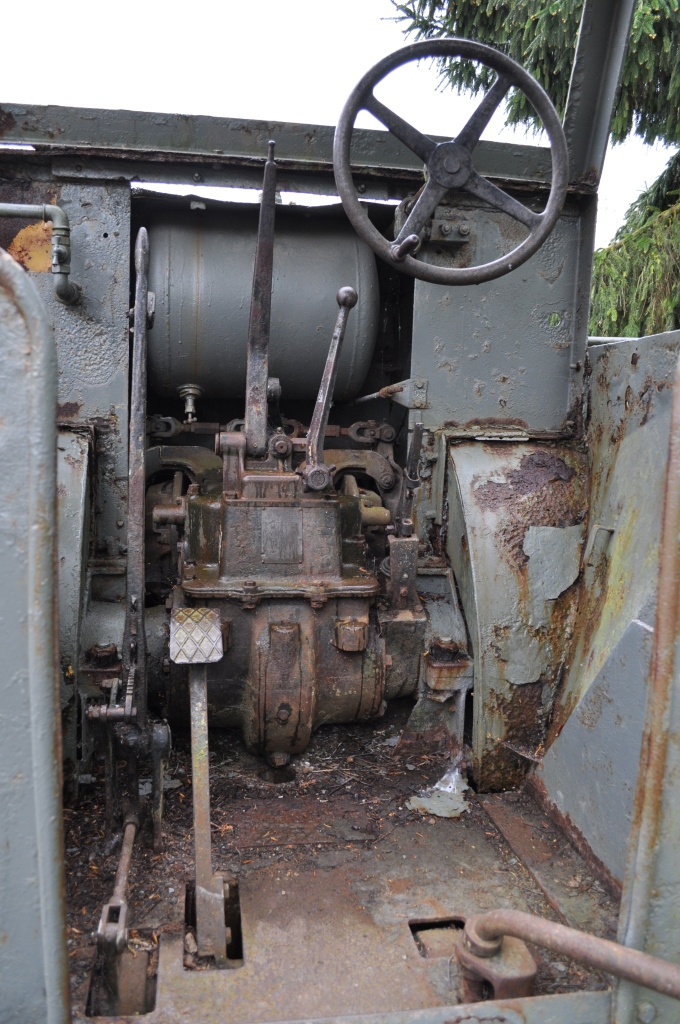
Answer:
[(291, 60)]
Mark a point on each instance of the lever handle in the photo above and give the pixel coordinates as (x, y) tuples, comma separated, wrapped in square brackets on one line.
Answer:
[(316, 475)]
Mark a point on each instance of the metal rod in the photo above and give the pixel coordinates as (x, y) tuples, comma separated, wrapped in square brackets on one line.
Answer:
[(65, 290), (483, 934), (386, 392), (135, 646), (200, 776), (123, 869), (211, 931), (316, 475), (257, 370)]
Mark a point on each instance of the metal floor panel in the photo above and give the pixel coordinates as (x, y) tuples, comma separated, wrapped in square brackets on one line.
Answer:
[(331, 869)]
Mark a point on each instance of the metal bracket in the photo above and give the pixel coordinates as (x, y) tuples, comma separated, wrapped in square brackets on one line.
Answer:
[(413, 395), (511, 972)]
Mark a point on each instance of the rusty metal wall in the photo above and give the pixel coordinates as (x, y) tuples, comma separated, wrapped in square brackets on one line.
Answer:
[(516, 529), (591, 767)]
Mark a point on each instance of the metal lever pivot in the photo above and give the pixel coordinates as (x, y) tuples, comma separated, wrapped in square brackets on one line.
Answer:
[(316, 475), (404, 524), (257, 370)]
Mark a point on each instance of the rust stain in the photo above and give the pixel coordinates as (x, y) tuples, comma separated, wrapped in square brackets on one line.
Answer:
[(523, 719), (7, 121), (543, 491), (68, 410), (31, 247)]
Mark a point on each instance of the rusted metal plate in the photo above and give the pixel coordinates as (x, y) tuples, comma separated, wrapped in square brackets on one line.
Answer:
[(195, 636), (516, 529), (589, 770)]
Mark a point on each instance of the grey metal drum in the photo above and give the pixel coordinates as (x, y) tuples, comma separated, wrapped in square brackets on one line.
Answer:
[(201, 272)]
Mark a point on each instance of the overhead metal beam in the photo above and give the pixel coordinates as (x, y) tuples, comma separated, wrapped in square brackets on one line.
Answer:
[(216, 143), (600, 51)]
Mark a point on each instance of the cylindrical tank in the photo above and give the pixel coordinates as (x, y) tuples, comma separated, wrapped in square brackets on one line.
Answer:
[(201, 271)]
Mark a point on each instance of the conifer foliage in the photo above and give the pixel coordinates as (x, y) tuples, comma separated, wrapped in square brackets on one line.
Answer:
[(541, 36), (636, 279)]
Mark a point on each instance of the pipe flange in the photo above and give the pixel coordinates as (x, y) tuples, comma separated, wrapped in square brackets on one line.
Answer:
[(476, 943)]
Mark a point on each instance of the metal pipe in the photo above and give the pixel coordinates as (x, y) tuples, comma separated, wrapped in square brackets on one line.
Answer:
[(483, 934), (257, 369), (135, 632), (316, 475), (647, 813), (65, 290)]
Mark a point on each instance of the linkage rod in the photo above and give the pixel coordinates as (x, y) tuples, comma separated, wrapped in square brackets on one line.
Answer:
[(257, 370)]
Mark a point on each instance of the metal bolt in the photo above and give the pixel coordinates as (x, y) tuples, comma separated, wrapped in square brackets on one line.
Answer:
[(464, 229), (197, 177), (646, 1013), (452, 164), (445, 229), (361, 188)]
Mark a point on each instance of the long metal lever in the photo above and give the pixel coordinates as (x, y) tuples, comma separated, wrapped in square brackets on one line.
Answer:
[(257, 370), (134, 658), (211, 934), (316, 475)]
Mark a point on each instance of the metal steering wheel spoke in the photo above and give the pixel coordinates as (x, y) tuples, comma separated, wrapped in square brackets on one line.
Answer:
[(418, 143), (484, 189), (426, 204), (472, 132), (449, 164)]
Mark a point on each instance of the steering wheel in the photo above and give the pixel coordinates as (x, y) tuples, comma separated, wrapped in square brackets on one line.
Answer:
[(449, 164)]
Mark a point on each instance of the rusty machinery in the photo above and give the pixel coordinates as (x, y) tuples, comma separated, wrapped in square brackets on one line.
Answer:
[(280, 570), (289, 566)]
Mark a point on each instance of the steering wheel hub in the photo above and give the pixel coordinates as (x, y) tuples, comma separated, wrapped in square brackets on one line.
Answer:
[(450, 165)]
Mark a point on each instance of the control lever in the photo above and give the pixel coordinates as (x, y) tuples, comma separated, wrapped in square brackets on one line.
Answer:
[(257, 369), (404, 524), (316, 475)]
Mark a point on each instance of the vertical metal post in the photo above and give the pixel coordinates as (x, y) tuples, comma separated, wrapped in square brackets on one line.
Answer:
[(135, 653), (257, 370), (211, 935)]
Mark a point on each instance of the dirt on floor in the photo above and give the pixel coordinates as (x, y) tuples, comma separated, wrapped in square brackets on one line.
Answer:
[(347, 799)]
